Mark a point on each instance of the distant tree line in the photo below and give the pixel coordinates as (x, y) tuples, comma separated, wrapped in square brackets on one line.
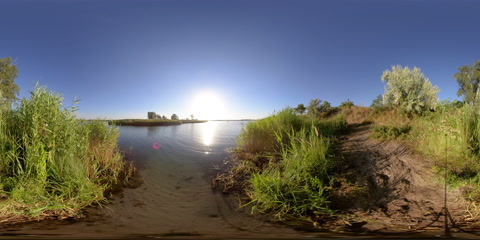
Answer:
[(319, 108), (153, 115)]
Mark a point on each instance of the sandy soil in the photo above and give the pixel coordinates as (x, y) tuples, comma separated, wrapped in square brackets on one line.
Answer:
[(393, 190)]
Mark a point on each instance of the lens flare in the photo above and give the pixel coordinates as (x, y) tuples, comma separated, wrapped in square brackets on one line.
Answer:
[(156, 145)]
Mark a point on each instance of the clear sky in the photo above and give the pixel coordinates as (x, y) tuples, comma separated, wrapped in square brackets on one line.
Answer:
[(231, 59)]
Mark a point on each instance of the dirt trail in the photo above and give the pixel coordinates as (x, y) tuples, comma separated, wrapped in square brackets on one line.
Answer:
[(395, 190)]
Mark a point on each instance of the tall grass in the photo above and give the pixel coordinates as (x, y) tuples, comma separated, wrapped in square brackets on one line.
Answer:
[(51, 163), (262, 135), (296, 184), (259, 136)]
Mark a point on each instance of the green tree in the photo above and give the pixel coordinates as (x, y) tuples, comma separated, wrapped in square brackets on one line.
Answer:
[(313, 107), (325, 106), (377, 102), (468, 78), (346, 104), (317, 106), (300, 109), (174, 117), (409, 90), (8, 88)]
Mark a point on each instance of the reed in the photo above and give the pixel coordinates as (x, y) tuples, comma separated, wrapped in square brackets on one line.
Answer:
[(297, 184), (293, 160), (52, 164)]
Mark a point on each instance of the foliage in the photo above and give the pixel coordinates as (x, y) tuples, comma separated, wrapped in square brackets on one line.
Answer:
[(8, 88), (317, 106), (409, 90), (452, 132), (300, 109), (377, 102), (346, 104), (292, 176), (297, 184), (51, 163), (390, 131), (144, 122), (468, 78), (259, 136), (174, 117)]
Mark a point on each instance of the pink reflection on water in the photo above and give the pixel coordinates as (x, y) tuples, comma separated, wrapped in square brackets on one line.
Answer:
[(156, 145)]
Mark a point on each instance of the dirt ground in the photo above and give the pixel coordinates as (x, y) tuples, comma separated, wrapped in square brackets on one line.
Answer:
[(387, 188)]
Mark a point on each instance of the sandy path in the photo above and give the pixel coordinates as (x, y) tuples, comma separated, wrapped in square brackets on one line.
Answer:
[(395, 189)]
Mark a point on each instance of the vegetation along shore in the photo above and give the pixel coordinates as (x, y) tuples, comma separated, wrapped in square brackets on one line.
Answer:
[(51, 164), (377, 168), (151, 122)]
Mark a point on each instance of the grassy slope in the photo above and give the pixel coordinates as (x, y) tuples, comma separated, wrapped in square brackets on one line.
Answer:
[(286, 165), (451, 133)]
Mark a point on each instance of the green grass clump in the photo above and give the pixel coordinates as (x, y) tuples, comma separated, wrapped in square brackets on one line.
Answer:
[(259, 136), (52, 164), (296, 185), (390, 132), (292, 176)]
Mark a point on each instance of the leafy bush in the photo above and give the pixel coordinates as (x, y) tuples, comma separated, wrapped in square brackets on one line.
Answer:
[(409, 90)]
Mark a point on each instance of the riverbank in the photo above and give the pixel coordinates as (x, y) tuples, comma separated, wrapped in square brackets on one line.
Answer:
[(151, 122), (363, 170)]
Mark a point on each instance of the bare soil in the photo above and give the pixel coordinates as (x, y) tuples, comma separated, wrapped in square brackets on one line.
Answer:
[(387, 188)]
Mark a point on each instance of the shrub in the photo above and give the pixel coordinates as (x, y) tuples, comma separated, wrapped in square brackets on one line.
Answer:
[(409, 90)]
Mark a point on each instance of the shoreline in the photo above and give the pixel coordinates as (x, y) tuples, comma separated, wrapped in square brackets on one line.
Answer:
[(151, 122)]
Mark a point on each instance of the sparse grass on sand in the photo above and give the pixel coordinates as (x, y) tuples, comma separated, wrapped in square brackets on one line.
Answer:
[(450, 133)]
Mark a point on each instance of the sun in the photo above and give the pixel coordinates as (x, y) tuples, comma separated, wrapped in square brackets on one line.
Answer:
[(208, 105)]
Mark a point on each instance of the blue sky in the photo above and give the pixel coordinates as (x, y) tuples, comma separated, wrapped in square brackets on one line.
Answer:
[(125, 58)]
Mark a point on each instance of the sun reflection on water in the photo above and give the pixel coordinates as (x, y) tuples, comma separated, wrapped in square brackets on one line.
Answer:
[(208, 132)]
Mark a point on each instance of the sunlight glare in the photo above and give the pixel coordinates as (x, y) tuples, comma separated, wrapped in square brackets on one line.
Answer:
[(208, 106), (208, 133)]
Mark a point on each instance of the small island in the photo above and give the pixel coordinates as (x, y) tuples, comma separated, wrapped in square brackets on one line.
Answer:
[(151, 122), (154, 120)]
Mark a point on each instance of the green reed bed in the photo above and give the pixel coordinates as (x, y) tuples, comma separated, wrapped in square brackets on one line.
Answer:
[(52, 164), (297, 163)]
